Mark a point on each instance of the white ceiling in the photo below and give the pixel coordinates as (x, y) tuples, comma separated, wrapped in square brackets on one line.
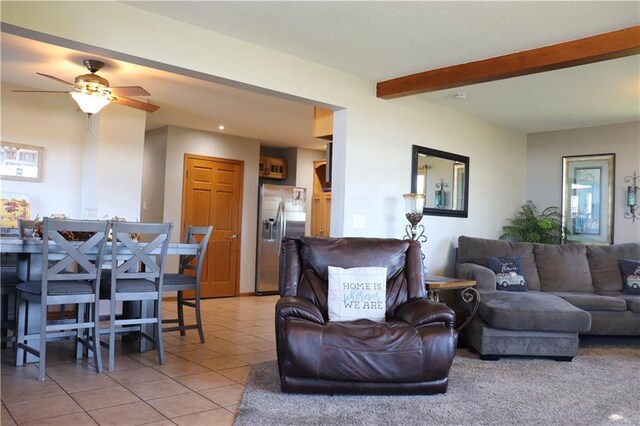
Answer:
[(183, 101), (378, 41)]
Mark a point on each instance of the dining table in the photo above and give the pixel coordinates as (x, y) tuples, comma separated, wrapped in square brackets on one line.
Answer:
[(29, 251), (29, 265)]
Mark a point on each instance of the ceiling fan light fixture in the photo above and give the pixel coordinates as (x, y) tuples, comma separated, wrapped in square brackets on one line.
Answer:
[(90, 103)]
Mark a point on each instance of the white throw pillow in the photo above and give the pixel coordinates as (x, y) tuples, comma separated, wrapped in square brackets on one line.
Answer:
[(357, 293)]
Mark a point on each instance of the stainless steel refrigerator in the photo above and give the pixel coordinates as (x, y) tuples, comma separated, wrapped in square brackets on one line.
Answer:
[(282, 213)]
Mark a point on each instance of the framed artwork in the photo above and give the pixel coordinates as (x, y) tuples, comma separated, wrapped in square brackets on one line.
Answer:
[(14, 207), (21, 162), (588, 197)]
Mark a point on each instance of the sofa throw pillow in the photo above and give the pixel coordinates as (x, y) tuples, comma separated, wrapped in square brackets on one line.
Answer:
[(630, 276), (357, 293), (508, 272)]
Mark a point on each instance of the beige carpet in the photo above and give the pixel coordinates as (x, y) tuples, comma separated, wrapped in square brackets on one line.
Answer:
[(601, 386)]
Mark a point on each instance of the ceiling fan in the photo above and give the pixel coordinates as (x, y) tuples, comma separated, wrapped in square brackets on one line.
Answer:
[(92, 92)]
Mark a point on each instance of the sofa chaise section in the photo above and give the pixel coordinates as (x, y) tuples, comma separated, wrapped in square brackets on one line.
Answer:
[(572, 290)]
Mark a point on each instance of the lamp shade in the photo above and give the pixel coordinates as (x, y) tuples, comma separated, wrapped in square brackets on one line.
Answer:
[(414, 203), (90, 103)]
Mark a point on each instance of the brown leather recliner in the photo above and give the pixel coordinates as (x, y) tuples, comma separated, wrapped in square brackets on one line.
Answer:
[(411, 352)]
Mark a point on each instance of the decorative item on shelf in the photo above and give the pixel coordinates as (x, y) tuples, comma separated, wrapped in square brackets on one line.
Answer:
[(14, 207), (632, 197), (133, 236), (441, 199)]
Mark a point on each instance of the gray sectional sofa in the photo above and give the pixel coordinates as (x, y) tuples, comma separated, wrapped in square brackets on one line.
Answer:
[(572, 289)]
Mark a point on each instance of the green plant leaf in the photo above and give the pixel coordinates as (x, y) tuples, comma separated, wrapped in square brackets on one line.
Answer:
[(530, 226)]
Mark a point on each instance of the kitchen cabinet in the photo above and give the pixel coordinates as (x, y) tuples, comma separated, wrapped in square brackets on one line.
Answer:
[(323, 123), (273, 168)]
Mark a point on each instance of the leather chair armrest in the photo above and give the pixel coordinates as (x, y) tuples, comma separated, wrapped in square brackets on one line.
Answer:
[(484, 277), (291, 306), (420, 312)]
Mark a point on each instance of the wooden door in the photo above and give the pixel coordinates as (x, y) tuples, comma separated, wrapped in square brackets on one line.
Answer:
[(212, 195), (320, 201)]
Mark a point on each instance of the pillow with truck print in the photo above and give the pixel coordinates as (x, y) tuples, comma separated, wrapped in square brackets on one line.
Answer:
[(508, 272), (630, 276)]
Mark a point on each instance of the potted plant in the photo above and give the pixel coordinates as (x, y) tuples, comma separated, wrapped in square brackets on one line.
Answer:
[(533, 227)]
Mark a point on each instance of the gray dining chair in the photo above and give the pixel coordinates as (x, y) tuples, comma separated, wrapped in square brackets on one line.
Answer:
[(185, 281), (136, 277), (70, 275), (8, 280)]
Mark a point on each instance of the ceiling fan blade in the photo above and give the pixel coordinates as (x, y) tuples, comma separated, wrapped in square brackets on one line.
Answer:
[(57, 79), (41, 91), (128, 91), (135, 104)]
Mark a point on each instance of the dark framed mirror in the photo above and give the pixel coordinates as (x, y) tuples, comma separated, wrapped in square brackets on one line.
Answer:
[(443, 177)]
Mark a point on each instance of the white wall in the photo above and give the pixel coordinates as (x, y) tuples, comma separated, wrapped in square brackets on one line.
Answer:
[(118, 164), (181, 141), (50, 121), (153, 175), (378, 172), (544, 166), (372, 137)]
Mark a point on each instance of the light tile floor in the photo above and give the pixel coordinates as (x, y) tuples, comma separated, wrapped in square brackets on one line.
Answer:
[(200, 384)]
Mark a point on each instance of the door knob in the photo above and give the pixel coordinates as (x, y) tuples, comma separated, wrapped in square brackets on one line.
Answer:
[(234, 237)]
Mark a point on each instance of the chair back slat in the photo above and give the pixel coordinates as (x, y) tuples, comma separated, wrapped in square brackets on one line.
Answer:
[(64, 259), (135, 259), (187, 261)]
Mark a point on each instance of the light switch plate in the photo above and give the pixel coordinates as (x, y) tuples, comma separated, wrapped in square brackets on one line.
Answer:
[(359, 221)]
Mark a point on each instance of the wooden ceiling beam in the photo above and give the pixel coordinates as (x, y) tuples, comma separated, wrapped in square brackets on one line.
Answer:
[(601, 47)]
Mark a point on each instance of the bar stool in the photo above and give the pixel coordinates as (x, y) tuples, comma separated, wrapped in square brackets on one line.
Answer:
[(183, 281), (136, 276), (70, 275), (8, 281)]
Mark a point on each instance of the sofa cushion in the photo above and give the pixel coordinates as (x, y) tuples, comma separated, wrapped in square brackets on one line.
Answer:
[(475, 250), (563, 267), (630, 276), (533, 310), (368, 345), (634, 304), (632, 300), (603, 262), (508, 272), (592, 302)]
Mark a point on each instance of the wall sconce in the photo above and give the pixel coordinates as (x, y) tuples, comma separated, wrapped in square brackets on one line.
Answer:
[(632, 197), (414, 205), (441, 195)]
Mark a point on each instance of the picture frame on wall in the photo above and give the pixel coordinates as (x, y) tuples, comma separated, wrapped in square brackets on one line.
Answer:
[(588, 183), (21, 162)]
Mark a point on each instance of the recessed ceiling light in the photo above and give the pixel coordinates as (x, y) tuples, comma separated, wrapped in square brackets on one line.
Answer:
[(221, 127), (460, 96)]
